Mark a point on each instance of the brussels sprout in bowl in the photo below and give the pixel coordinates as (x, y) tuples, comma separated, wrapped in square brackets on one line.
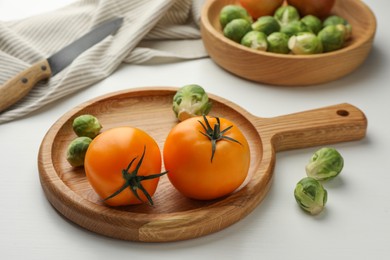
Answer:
[(284, 69)]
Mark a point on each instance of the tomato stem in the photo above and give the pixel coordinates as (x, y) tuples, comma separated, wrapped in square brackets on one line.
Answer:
[(133, 181), (215, 134)]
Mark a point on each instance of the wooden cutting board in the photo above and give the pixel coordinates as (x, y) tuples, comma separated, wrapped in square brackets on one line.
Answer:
[(175, 217)]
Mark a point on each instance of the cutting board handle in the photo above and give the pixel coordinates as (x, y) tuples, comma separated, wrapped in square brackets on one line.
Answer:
[(333, 124), (17, 87)]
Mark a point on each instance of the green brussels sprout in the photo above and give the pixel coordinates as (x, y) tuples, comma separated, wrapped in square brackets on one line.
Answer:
[(337, 20), (266, 24), (236, 29), (332, 37), (231, 12), (76, 151), (278, 43), (325, 164), (305, 43), (346, 30), (312, 22), (190, 101), (310, 195), (333, 20), (255, 40), (286, 14), (294, 28), (86, 125)]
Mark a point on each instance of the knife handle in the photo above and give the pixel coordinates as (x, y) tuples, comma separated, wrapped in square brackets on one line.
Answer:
[(17, 87)]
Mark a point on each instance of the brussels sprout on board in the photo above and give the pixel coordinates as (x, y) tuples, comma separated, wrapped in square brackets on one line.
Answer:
[(86, 125), (76, 151), (189, 101)]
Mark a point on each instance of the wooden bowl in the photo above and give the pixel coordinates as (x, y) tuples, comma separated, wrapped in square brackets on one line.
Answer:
[(289, 69)]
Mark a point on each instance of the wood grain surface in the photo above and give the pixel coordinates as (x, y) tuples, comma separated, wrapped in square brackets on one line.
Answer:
[(175, 217), (288, 69)]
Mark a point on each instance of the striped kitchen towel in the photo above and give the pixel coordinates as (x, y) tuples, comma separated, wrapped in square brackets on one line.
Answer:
[(152, 31)]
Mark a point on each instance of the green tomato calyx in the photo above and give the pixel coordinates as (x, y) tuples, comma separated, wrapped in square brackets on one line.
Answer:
[(215, 134), (133, 180)]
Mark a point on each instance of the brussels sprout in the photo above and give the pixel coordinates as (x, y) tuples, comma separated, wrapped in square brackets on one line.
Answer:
[(286, 14), (231, 12), (333, 20), (190, 101), (236, 29), (76, 151), (337, 20), (294, 28), (313, 23), (86, 125), (332, 37), (326, 163), (266, 24), (278, 43), (305, 43), (255, 40), (310, 195), (346, 30)]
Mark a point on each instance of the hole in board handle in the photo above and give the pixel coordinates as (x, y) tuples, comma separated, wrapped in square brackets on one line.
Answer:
[(342, 112)]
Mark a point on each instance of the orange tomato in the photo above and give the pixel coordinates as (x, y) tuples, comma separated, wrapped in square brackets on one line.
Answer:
[(122, 165), (320, 8), (198, 172), (258, 8)]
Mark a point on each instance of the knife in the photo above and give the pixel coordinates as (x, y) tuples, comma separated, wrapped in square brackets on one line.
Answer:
[(18, 86)]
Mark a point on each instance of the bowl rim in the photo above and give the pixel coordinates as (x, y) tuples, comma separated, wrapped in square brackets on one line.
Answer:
[(206, 23)]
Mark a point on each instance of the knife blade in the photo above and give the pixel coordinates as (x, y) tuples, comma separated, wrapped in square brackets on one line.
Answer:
[(18, 86)]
